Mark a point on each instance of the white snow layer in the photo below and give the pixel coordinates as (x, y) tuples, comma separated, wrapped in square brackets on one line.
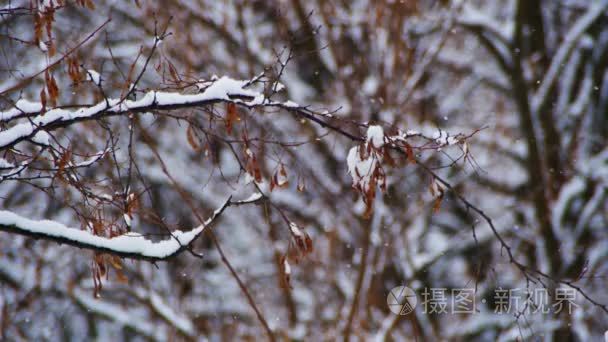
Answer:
[(4, 164), (375, 135), (362, 169), (118, 315), (21, 107), (94, 76), (130, 243), (563, 52), (223, 89)]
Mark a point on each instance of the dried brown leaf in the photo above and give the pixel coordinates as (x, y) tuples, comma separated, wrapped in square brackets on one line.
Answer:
[(231, 117), (192, 140)]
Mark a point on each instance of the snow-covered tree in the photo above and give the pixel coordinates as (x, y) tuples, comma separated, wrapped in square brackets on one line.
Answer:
[(197, 169)]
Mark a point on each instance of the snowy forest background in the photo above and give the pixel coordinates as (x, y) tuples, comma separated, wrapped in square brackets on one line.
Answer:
[(478, 131)]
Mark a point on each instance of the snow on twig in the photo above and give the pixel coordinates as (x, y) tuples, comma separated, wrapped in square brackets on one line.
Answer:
[(224, 89), (129, 245)]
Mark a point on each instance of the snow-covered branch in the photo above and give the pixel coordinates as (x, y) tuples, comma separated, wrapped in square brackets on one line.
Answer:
[(594, 12), (168, 314), (118, 315), (224, 89), (475, 18), (129, 245)]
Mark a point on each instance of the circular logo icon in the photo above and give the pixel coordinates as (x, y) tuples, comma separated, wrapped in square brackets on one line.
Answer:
[(401, 300)]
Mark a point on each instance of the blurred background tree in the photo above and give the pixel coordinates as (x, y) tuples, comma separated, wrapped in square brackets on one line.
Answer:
[(527, 77)]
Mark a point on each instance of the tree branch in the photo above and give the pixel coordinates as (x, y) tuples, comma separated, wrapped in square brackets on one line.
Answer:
[(129, 245)]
